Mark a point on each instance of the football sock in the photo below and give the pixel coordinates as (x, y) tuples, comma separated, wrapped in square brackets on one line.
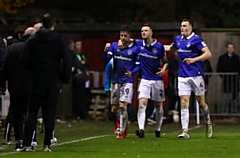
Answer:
[(123, 119), (159, 118), (206, 114), (141, 116), (185, 119)]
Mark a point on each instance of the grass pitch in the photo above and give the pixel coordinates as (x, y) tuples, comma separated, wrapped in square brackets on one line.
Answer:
[(95, 139)]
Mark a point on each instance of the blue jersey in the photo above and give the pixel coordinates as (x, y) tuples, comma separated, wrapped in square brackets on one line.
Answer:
[(189, 48), (123, 60), (149, 58)]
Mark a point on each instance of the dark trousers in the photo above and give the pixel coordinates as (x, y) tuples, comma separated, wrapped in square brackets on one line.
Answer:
[(8, 124), (19, 108), (48, 103), (80, 99)]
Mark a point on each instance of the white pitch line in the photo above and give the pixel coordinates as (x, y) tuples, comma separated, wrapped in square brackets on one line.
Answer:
[(80, 140), (85, 139)]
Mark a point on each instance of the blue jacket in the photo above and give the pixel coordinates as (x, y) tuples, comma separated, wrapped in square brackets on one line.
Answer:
[(108, 76)]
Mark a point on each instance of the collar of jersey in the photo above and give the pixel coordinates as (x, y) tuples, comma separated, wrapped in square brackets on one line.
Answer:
[(131, 44), (192, 34), (154, 42)]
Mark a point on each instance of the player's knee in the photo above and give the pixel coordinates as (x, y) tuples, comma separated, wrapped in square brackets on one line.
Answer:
[(201, 102), (114, 108), (142, 108), (158, 104), (184, 103)]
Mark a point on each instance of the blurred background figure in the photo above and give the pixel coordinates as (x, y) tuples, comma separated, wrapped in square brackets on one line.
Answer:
[(80, 83), (229, 63)]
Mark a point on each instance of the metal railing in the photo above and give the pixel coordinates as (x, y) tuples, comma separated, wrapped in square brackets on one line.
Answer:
[(222, 94)]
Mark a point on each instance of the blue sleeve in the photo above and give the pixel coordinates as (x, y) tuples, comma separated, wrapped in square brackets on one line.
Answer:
[(108, 76), (107, 56), (162, 51), (137, 62), (174, 43), (200, 43), (136, 69)]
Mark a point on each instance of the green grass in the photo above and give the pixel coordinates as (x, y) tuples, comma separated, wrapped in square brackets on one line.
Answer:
[(224, 143)]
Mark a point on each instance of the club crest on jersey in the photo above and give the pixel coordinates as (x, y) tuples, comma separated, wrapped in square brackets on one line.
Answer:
[(129, 52), (188, 44), (178, 43), (154, 50), (142, 47), (118, 50)]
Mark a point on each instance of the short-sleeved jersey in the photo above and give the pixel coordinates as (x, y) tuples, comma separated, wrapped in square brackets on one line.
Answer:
[(189, 47), (123, 60), (149, 58)]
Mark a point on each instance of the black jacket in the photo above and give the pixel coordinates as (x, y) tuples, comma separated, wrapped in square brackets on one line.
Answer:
[(47, 56), (18, 76), (229, 64)]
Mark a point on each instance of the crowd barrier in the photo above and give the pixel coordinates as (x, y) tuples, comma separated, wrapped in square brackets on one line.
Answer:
[(222, 94)]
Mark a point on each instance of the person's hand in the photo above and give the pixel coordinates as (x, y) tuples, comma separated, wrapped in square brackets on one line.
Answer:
[(120, 44), (167, 47), (83, 62), (128, 74), (189, 60), (107, 46), (161, 72), (73, 68)]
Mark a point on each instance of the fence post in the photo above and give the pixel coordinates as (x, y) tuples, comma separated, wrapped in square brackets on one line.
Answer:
[(197, 112)]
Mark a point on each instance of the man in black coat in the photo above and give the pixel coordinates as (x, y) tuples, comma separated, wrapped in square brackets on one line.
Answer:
[(47, 56), (19, 79), (229, 62)]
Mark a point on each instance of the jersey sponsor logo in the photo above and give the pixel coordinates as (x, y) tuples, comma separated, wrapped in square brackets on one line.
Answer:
[(182, 50), (148, 56), (122, 58)]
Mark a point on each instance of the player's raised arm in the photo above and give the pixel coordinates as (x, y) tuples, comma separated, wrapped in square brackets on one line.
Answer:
[(107, 55)]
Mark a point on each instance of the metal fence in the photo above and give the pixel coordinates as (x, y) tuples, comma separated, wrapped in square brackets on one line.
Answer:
[(222, 94)]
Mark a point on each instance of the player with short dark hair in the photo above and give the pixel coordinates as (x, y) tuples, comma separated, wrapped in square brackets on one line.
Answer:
[(125, 61), (192, 51)]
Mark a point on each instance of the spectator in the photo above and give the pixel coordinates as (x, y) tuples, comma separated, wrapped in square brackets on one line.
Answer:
[(229, 62), (80, 83)]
